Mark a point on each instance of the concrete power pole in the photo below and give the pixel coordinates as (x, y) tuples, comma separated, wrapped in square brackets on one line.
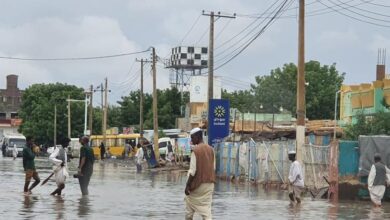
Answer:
[(301, 109), (105, 112), (69, 124), (90, 110), (155, 116)]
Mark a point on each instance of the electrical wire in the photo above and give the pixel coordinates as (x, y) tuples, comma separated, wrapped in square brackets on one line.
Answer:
[(189, 31), (352, 17), (246, 28), (365, 10), (357, 13), (250, 41), (222, 30), (74, 58)]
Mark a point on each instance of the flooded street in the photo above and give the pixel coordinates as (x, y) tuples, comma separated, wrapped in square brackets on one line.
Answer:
[(118, 192)]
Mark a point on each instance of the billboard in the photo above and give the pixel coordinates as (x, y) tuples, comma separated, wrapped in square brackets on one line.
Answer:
[(199, 88), (218, 120)]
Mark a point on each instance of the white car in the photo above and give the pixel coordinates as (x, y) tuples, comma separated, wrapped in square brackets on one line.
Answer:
[(163, 145)]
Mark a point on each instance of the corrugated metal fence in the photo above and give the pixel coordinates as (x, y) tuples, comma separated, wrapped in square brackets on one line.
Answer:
[(267, 162)]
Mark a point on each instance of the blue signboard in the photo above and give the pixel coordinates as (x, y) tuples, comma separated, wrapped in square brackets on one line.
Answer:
[(218, 120)]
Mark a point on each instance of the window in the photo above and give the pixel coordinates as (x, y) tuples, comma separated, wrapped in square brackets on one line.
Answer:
[(183, 56), (197, 56), (190, 62), (190, 49), (14, 115), (2, 115), (204, 49), (204, 62)]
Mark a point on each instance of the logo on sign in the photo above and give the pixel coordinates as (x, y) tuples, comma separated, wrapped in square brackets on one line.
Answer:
[(219, 111)]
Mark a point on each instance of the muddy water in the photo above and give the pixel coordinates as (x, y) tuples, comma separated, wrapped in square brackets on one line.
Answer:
[(118, 192)]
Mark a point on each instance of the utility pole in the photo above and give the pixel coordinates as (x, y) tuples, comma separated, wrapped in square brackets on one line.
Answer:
[(301, 109), (105, 112), (211, 50), (155, 116), (69, 125), (141, 98), (55, 125), (102, 106), (210, 93), (90, 110)]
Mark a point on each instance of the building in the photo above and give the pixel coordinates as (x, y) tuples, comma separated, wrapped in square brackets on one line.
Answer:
[(10, 98), (366, 98)]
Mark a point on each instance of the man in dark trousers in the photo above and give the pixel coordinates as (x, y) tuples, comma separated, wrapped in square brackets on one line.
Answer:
[(85, 165), (201, 178), (102, 151), (29, 165)]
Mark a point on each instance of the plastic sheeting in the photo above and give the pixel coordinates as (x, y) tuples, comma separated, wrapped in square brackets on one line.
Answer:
[(369, 146)]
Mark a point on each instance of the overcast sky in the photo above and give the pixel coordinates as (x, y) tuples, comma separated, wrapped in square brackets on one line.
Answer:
[(53, 29)]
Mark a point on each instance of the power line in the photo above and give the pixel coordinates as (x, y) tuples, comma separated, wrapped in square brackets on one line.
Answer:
[(192, 27), (352, 17), (74, 58), (365, 10), (377, 4), (250, 41), (357, 13), (246, 28)]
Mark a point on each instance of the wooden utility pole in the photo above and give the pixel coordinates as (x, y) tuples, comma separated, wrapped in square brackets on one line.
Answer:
[(141, 98), (90, 110), (55, 125), (105, 112), (69, 124), (301, 109), (155, 116), (210, 94), (141, 102), (102, 106), (212, 15)]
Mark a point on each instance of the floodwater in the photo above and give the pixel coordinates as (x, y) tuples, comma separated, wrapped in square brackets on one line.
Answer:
[(118, 192)]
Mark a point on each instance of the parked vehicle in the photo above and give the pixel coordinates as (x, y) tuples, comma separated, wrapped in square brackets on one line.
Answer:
[(8, 142), (74, 148), (115, 144), (164, 146)]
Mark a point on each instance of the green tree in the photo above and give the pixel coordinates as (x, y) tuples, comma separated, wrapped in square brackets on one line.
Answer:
[(279, 89), (376, 124), (243, 100), (169, 108), (37, 111)]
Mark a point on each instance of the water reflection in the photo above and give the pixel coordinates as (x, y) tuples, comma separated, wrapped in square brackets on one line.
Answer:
[(28, 203), (59, 207), (84, 206)]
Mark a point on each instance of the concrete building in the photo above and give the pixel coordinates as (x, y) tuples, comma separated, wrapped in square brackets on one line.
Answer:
[(10, 98), (366, 98)]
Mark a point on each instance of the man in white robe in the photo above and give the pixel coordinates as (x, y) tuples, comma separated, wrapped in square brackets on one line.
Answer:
[(60, 170), (377, 181), (296, 178)]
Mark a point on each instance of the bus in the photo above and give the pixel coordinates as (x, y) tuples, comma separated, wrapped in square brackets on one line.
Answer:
[(115, 144)]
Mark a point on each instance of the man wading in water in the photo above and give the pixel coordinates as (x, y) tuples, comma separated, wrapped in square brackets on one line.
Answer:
[(201, 178), (60, 159), (86, 165), (29, 165)]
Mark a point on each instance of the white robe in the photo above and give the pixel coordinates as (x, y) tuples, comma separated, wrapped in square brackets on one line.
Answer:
[(295, 175), (61, 173), (376, 192)]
